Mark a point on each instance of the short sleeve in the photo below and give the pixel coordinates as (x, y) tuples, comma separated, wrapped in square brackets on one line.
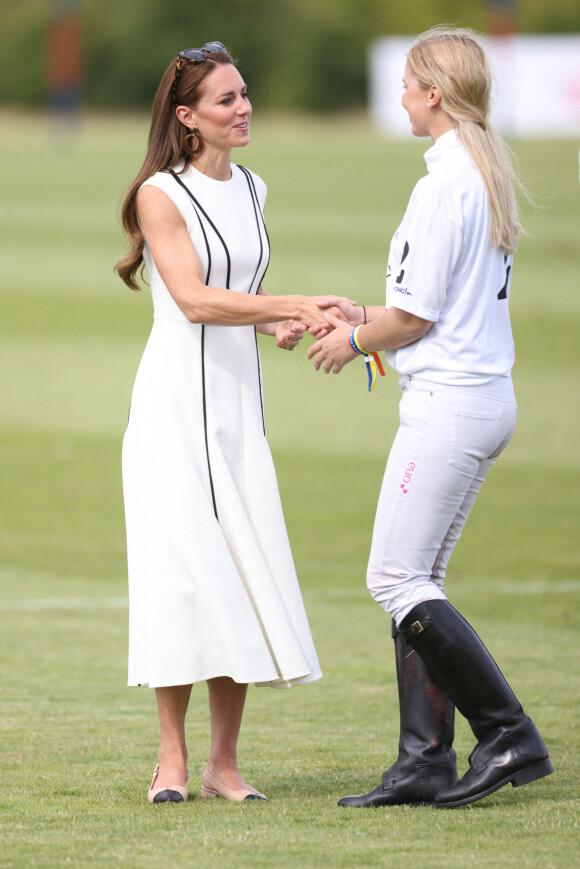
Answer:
[(424, 253)]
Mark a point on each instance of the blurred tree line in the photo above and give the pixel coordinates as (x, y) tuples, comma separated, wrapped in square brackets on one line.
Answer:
[(309, 54)]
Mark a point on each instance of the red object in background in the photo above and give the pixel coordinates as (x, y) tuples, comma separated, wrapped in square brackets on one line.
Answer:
[(64, 66), (501, 17)]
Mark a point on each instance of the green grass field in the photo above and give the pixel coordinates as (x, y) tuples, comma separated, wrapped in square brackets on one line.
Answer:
[(77, 747)]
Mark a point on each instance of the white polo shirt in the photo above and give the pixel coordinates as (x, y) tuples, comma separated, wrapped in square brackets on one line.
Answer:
[(442, 268)]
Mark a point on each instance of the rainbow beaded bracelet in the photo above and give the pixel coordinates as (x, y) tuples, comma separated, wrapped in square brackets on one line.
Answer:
[(372, 360)]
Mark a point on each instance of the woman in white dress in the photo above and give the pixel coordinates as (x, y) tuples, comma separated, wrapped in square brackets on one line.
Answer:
[(212, 586)]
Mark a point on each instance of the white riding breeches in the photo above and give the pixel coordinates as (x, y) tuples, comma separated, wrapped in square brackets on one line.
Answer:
[(448, 438)]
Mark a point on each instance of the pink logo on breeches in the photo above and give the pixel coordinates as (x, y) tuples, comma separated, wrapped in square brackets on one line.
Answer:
[(407, 478)]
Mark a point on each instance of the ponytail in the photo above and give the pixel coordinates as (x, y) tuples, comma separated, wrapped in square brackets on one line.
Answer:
[(456, 63)]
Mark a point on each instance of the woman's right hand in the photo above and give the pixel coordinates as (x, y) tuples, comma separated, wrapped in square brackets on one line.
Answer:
[(349, 312), (313, 309)]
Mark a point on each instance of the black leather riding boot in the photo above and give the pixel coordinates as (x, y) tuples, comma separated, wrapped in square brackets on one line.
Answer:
[(426, 761), (509, 747)]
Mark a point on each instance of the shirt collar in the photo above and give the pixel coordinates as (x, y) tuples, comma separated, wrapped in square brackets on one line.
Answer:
[(447, 142)]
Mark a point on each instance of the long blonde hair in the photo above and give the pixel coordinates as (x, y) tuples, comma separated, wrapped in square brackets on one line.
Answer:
[(454, 61), (167, 146)]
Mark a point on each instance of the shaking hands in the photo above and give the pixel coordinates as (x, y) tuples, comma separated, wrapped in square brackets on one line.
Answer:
[(329, 319)]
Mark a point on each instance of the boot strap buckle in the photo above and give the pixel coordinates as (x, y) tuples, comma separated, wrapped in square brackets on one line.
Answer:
[(416, 628)]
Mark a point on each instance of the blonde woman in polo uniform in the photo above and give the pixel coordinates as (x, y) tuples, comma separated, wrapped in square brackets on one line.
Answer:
[(446, 330)]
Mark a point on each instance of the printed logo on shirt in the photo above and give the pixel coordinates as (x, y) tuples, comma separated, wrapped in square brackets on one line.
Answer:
[(403, 258), (402, 290), (503, 293), (408, 477)]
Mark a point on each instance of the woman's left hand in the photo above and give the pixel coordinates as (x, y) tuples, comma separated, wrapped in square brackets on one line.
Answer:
[(334, 350), (289, 333)]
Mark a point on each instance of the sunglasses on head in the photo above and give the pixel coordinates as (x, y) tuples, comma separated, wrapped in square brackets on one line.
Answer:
[(194, 55)]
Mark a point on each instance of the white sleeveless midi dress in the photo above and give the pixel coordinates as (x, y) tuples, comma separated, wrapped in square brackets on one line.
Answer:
[(212, 585)]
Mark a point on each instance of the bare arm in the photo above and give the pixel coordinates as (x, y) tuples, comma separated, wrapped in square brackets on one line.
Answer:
[(288, 333), (269, 328), (265, 328), (352, 313), (374, 312), (179, 266), (394, 328)]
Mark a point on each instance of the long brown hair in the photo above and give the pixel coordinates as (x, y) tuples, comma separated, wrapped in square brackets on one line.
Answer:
[(454, 61), (166, 148)]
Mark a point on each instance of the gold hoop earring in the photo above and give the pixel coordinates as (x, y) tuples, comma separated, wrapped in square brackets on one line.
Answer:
[(192, 148)]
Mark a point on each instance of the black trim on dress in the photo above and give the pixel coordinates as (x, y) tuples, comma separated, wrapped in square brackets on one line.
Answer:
[(253, 198), (211, 223), (196, 205), (205, 422), (258, 210)]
